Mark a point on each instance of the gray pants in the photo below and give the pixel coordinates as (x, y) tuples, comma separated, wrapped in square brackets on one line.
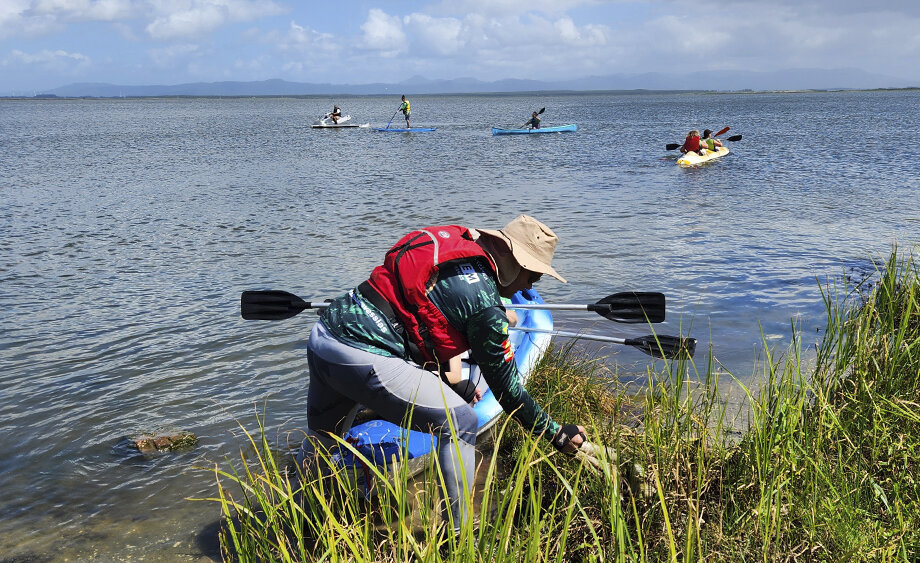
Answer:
[(341, 376)]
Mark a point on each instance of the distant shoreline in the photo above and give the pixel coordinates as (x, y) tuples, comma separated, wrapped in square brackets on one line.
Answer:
[(635, 92)]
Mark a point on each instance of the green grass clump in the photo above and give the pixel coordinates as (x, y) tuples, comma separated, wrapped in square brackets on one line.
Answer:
[(826, 469)]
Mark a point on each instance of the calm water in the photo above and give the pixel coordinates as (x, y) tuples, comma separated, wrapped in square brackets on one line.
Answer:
[(130, 227)]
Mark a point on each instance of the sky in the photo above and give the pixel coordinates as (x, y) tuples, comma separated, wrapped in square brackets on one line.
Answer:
[(45, 44)]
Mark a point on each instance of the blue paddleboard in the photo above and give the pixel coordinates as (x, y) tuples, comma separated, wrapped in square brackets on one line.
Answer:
[(412, 130)]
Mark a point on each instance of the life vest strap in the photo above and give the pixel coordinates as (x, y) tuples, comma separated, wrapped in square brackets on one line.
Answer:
[(368, 292)]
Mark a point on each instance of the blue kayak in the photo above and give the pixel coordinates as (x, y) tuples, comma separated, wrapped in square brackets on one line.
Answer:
[(412, 130), (381, 441), (556, 129)]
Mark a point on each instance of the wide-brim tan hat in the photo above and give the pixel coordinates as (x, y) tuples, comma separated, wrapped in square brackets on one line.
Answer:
[(531, 243)]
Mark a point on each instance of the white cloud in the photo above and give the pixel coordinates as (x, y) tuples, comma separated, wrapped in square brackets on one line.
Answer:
[(192, 18), (439, 36), (510, 8), (125, 31), (189, 19), (16, 21), (187, 23), (83, 10), (253, 66), (47, 56), (33, 18), (163, 19), (12, 11), (848, 7), (383, 33), (745, 36), (501, 47), (487, 39), (587, 36), (57, 61), (305, 39), (168, 57)]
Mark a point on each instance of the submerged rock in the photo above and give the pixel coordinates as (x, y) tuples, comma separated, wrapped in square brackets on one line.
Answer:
[(164, 442)]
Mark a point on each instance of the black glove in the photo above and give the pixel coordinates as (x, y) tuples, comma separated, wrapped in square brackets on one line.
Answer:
[(565, 435)]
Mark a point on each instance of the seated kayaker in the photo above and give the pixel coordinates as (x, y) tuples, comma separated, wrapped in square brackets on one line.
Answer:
[(437, 294), (692, 143), (710, 142), (336, 114), (533, 122)]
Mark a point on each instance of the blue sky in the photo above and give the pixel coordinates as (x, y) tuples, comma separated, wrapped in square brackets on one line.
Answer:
[(49, 43)]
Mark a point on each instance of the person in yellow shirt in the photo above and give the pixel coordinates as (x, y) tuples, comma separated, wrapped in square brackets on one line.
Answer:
[(406, 110), (711, 143)]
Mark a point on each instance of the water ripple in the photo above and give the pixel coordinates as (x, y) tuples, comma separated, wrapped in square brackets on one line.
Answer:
[(130, 227)]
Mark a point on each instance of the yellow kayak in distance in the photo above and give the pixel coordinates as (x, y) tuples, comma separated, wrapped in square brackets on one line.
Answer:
[(692, 158)]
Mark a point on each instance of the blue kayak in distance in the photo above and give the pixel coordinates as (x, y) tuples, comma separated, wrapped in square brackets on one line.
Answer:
[(571, 127), (382, 443), (411, 130)]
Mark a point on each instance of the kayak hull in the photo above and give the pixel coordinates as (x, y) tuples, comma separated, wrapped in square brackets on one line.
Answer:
[(570, 128), (327, 121), (692, 158), (341, 126), (403, 130), (381, 441)]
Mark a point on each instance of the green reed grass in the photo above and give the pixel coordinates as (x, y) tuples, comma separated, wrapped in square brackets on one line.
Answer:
[(827, 467)]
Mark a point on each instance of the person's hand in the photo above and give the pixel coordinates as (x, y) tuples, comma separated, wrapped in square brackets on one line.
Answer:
[(477, 396), (569, 438)]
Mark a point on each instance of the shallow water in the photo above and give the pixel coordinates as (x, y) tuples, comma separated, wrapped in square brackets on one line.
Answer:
[(130, 227)]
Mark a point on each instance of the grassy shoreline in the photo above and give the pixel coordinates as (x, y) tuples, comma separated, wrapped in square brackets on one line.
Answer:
[(827, 469)]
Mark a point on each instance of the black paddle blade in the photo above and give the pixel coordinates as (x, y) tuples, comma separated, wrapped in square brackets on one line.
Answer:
[(670, 347), (541, 111), (633, 307), (735, 138), (672, 146), (272, 305)]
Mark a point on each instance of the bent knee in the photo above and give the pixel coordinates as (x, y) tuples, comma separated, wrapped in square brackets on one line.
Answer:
[(462, 424), (466, 424)]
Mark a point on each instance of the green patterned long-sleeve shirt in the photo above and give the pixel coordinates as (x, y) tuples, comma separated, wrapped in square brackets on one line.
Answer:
[(466, 293)]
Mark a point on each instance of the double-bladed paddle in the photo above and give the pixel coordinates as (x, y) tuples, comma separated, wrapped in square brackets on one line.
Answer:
[(672, 146), (655, 345), (625, 307), (273, 305), (538, 113)]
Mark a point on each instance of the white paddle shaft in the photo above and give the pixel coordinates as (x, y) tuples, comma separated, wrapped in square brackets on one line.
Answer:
[(563, 333)]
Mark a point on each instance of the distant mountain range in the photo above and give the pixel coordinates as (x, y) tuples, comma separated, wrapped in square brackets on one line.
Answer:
[(797, 79)]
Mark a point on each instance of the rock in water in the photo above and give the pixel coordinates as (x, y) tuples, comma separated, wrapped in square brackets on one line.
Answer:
[(164, 442)]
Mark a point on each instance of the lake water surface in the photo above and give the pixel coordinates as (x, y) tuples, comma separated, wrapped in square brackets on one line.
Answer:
[(130, 227)]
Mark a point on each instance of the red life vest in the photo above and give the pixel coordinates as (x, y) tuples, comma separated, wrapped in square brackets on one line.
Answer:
[(409, 271), (691, 144)]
